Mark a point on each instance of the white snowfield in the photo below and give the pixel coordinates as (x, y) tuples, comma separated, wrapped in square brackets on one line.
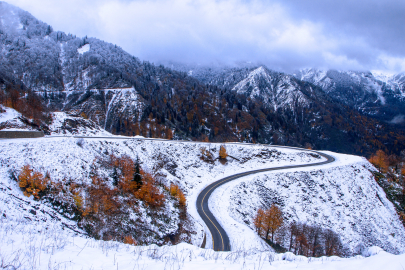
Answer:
[(41, 242), (32, 246)]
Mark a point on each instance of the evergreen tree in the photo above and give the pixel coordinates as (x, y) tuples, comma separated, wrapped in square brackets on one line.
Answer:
[(137, 174), (115, 176)]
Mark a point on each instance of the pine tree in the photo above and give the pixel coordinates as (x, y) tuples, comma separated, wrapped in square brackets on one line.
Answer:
[(137, 175), (115, 176)]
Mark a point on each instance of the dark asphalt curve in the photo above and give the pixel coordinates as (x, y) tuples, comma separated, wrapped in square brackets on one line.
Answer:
[(220, 239)]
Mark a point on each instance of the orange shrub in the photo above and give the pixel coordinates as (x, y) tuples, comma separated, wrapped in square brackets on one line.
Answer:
[(149, 193), (31, 182), (129, 240), (176, 192)]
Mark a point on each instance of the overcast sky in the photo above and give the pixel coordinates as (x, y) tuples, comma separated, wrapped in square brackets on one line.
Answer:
[(283, 34)]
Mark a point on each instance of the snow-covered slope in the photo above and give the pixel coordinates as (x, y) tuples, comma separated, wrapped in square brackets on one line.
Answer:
[(342, 196), (11, 119), (32, 247), (72, 159), (62, 124), (330, 81), (373, 93), (67, 124)]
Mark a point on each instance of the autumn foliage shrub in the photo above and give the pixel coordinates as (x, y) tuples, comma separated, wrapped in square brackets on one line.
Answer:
[(206, 155), (109, 206), (176, 192), (149, 193), (129, 240), (379, 160), (32, 182)]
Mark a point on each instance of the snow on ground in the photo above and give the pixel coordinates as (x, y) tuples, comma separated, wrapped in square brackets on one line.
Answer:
[(26, 245), (342, 196), (8, 114), (85, 48), (71, 159), (180, 162), (66, 124), (10, 120)]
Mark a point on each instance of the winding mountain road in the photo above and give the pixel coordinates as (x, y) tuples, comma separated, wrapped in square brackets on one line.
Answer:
[(220, 239)]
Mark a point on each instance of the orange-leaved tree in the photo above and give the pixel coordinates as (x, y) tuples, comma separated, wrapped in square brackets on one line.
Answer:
[(380, 161), (149, 193), (267, 222), (176, 192), (32, 182), (222, 152), (258, 221)]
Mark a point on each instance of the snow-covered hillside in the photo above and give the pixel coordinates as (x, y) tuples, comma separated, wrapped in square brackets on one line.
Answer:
[(66, 124), (28, 246), (351, 199), (342, 196), (331, 80), (63, 124), (69, 159)]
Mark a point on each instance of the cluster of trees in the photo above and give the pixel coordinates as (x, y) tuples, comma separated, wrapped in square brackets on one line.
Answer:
[(299, 238), (27, 103), (391, 177), (268, 221), (109, 207)]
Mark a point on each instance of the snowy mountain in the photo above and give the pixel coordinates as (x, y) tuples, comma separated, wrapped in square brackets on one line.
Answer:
[(124, 96), (375, 95), (274, 89)]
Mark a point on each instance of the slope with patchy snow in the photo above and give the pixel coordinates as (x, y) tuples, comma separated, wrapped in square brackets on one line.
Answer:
[(279, 91), (342, 196)]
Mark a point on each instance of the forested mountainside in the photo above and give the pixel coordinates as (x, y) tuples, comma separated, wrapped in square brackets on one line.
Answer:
[(373, 94), (378, 96), (101, 82)]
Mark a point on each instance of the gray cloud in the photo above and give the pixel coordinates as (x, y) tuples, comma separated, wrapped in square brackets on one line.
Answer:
[(284, 35)]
